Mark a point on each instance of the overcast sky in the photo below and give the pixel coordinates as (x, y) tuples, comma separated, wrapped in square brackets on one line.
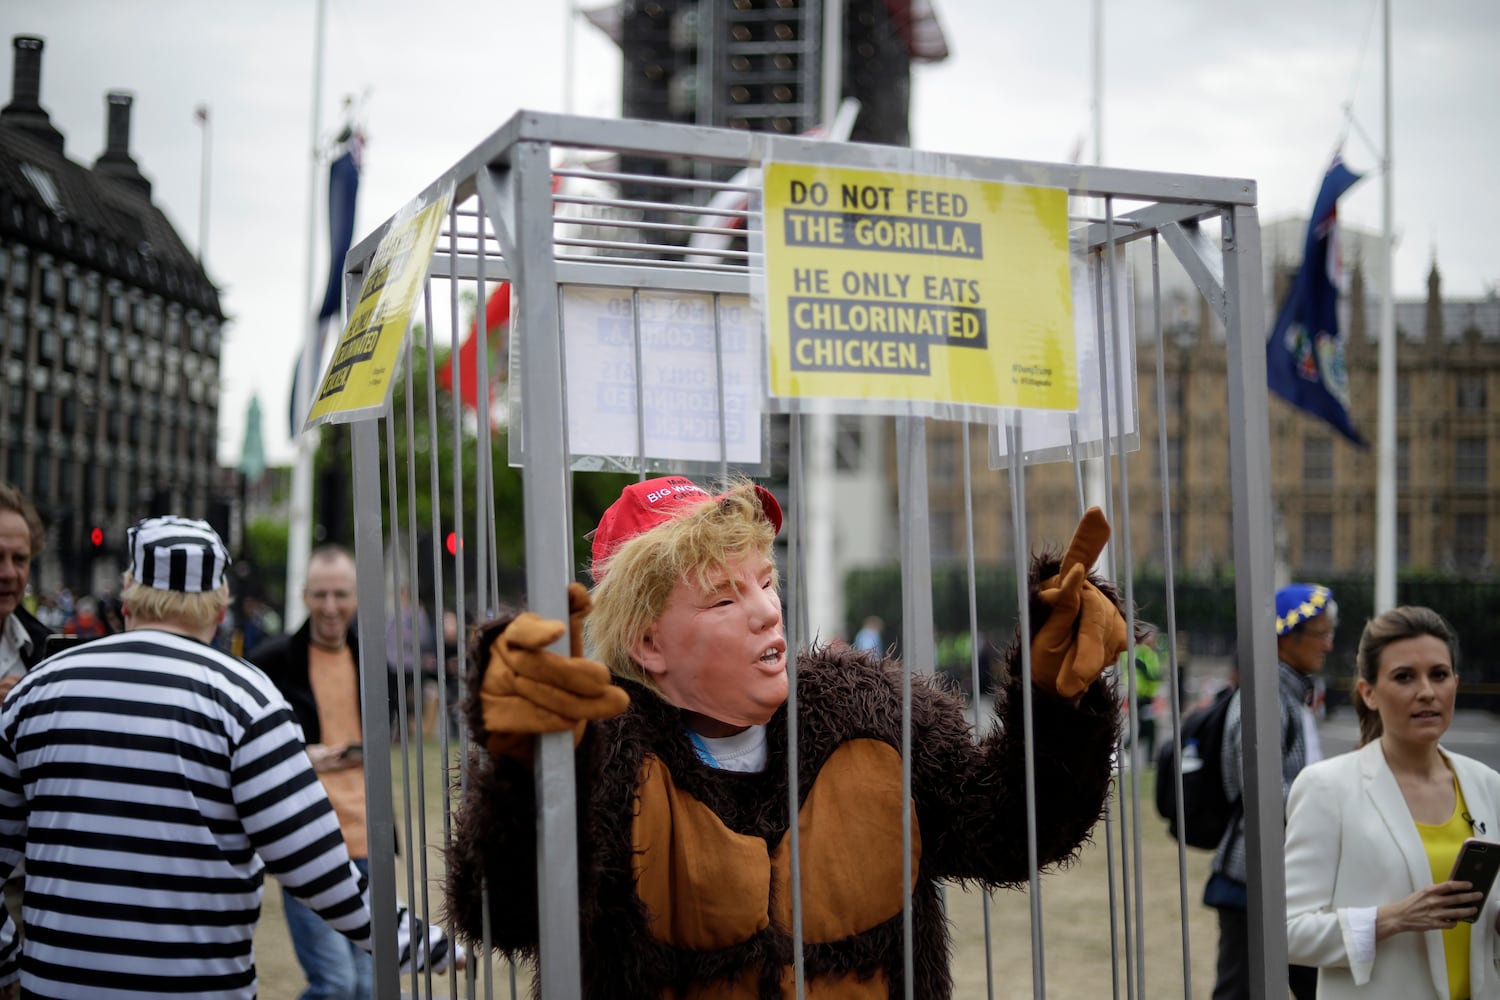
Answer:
[(1253, 90)]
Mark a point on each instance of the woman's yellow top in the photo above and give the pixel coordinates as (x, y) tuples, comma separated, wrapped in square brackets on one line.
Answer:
[(1442, 843)]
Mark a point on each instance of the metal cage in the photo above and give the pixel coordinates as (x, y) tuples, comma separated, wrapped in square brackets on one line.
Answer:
[(543, 204)]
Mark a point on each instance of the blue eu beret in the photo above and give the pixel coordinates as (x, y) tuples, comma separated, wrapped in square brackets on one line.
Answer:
[(1297, 602)]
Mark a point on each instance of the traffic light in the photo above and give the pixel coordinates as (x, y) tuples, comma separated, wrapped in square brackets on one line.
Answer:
[(754, 65), (450, 543), (768, 65), (877, 72), (758, 65), (96, 540), (655, 41), (658, 43)]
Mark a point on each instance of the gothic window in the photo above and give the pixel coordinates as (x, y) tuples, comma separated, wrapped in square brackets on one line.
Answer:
[(1317, 541), (1317, 461), (1471, 393), (1470, 462), (1471, 540)]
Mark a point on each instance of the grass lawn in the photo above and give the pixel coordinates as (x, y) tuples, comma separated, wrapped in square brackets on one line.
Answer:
[(1075, 918), (1078, 960)]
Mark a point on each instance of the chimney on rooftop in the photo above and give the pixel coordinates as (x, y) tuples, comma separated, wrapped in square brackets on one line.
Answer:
[(116, 163), (25, 110), (26, 82)]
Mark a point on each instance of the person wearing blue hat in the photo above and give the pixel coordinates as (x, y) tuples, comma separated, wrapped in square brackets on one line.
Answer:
[(1306, 617)]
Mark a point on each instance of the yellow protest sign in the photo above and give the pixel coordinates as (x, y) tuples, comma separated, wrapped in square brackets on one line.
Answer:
[(894, 286), (359, 378)]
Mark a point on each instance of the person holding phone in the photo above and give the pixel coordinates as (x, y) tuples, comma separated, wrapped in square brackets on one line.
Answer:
[(1372, 835)]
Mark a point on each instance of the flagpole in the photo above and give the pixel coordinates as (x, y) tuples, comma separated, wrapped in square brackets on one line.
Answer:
[(1096, 104), (824, 603), (1385, 482), (569, 40), (1095, 474), (299, 533), (202, 116)]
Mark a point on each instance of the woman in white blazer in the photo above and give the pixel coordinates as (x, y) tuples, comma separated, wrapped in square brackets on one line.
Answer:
[(1371, 835)]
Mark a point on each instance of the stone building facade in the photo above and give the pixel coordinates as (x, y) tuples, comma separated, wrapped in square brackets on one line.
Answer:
[(110, 335), (1322, 486)]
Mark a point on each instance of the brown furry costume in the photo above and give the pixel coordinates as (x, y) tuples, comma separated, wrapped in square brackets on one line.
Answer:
[(707, 849)]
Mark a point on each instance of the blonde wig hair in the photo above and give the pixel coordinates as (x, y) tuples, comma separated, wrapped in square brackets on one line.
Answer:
[(195, 612), (704, 541)]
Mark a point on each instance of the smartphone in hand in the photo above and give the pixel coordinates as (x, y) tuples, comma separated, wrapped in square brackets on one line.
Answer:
[(1478, 863), (352, 754)]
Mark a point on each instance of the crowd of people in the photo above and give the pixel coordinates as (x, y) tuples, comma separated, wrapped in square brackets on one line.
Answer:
[(672, 675)]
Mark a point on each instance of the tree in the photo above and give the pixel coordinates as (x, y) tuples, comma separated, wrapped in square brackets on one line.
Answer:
[(265, 555)]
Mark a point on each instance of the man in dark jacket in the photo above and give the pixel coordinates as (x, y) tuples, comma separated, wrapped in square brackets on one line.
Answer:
[(21, 635), (317, 670)]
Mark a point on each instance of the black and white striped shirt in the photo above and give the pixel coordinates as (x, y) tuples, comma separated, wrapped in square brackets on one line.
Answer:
[(148, 781)]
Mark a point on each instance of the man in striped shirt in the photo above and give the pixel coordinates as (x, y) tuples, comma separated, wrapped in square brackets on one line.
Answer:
[(149, 781)]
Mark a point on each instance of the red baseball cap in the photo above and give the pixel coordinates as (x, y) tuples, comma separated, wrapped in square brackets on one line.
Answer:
[(644, 505)]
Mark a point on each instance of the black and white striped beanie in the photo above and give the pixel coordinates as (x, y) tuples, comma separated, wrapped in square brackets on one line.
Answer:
[(177, 553)]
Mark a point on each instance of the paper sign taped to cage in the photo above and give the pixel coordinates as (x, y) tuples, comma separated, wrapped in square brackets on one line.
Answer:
[(905, 287), (1048, 436), (684, 361), (360, 375)]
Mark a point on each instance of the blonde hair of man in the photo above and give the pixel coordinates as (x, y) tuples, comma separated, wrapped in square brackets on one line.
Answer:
[(195, 613), (704, 541)]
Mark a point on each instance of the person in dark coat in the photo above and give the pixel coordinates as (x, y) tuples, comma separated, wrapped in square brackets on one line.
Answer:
[(316, 669)]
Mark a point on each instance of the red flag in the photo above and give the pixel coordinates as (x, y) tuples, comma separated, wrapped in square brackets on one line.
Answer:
[(496, 322)]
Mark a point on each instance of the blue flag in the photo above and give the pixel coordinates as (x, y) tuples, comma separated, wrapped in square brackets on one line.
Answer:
[(1305, 355), (343, 186)]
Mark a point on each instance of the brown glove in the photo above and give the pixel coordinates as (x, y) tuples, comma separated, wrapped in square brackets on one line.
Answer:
[(1085, 632), (528, 689)]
